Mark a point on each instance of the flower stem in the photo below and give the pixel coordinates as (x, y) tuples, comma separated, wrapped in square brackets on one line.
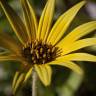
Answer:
[(34, 81)]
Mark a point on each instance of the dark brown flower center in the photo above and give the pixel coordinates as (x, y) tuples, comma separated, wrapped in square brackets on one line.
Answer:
[(39, 53)]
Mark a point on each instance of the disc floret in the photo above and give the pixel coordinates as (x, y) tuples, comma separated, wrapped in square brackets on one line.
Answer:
[(38, 52)]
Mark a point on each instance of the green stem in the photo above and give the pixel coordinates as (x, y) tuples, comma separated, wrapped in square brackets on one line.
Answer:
[(34, 81)]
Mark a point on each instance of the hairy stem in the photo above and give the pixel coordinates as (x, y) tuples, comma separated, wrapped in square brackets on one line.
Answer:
[(34, 81)]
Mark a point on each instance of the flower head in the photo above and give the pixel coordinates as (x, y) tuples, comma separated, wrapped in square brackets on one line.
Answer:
[(41, 45)]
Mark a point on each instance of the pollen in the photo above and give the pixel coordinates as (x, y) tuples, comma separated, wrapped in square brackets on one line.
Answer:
[(40, 53)]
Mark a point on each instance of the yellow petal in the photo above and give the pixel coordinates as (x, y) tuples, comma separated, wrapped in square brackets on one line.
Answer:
[(15, 22), (71, 65), (30, 19), (78, 57), (46, 20), (27, 76), (18, 82), (9, 57), (3, 53), (79, 32), (49, 73), (8, 42), (63, 23), (44, 72), (77, 45), (15, 79), (6, 56)]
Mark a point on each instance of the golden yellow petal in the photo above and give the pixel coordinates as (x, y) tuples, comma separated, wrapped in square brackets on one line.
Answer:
[(71, 65), (27, 76), (18, 82), (63, 23), (79, 32), (9, 57), (6, 56), (44, 72), (30, 19), (15, 21), (46, 20), (78, 57), (49, 73), (78, 45), (8, 42), (15, 79)]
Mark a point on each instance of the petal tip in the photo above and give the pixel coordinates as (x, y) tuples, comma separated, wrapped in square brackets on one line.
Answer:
[(80, 72)]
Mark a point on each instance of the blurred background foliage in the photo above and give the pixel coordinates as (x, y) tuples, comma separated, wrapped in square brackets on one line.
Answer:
[(64, 81)]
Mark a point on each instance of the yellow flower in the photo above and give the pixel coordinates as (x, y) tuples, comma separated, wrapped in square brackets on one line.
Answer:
[(41, 44)]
